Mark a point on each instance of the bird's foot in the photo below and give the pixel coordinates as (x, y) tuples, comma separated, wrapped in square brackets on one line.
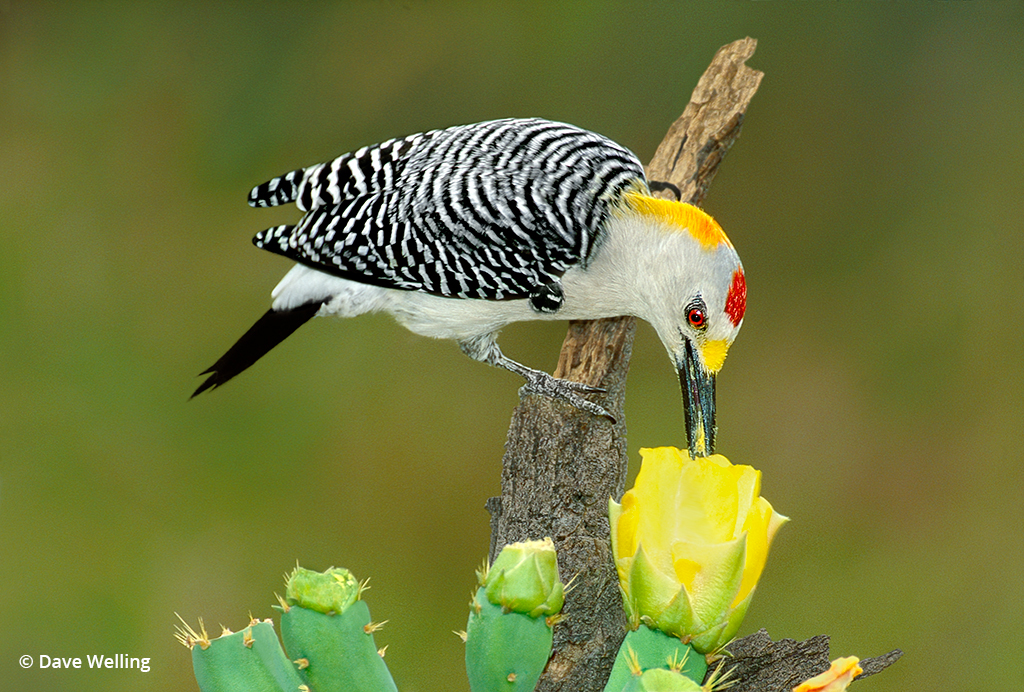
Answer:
[(539, 382)]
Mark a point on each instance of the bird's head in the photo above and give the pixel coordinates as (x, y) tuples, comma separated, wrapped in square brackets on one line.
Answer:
[(696, 296)]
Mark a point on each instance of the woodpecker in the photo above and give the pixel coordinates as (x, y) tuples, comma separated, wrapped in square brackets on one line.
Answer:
[(460, 231)]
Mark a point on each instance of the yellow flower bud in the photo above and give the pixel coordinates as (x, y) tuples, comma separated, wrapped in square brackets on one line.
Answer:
[(690, 540)]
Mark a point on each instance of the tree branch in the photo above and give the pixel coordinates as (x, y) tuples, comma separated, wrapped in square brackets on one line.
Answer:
[(757, 664), (562, 465)]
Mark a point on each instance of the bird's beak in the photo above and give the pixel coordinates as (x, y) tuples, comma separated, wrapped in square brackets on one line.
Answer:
[(698, 387)]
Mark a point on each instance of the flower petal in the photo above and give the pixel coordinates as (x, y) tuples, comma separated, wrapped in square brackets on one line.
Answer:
[(678, 618), (650, 591), (836, 679), (717, 638), (760, 525), (717, 572), (623, 527)]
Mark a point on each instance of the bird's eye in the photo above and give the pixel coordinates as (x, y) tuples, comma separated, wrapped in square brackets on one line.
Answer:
[(696, 316)]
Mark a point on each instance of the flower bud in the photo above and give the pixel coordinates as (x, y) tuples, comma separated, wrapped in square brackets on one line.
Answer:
[(332, 591), (524, 579)]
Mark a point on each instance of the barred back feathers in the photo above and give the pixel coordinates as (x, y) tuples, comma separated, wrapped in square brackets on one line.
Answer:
[(494, 210)]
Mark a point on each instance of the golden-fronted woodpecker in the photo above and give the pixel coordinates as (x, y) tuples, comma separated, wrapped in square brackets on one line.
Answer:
[(461, 231)]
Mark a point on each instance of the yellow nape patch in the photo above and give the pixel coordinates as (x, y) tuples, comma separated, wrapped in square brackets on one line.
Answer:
[(679, 216), (714, 353)]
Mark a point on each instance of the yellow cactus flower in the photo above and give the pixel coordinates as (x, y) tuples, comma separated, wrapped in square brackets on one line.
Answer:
[(836, 679), (690, 540)]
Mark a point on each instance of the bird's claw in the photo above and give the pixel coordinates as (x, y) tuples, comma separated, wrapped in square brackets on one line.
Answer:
[(539, 382), (577, 386)]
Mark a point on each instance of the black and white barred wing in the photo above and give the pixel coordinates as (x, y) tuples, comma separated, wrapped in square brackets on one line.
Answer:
[(494, 210)]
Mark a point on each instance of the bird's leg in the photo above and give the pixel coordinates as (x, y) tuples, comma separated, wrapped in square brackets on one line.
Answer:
[(539, 382), (485, 349)]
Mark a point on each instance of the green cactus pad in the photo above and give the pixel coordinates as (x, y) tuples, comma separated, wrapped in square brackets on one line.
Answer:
[(247, 661), (505, 651), (336, 651), (651, 649)]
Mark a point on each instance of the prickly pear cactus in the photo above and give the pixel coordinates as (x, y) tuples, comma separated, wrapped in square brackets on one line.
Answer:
[(645, 649), (247, 661), (508, 635), (328, 635), (327, 631)]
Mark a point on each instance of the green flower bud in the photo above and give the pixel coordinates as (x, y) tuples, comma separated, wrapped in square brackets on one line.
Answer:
[(524, 579), (325, 592)]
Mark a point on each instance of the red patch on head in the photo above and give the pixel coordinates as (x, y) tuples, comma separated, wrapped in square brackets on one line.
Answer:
[(736, 301)]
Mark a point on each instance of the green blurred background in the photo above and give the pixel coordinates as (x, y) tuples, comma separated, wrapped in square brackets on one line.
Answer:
[(875, 196)]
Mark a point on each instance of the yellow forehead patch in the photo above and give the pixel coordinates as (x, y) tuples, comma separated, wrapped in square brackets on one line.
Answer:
[(679, 216)]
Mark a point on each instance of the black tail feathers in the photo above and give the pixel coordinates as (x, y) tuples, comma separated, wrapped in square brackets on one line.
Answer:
[(270, 330)]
